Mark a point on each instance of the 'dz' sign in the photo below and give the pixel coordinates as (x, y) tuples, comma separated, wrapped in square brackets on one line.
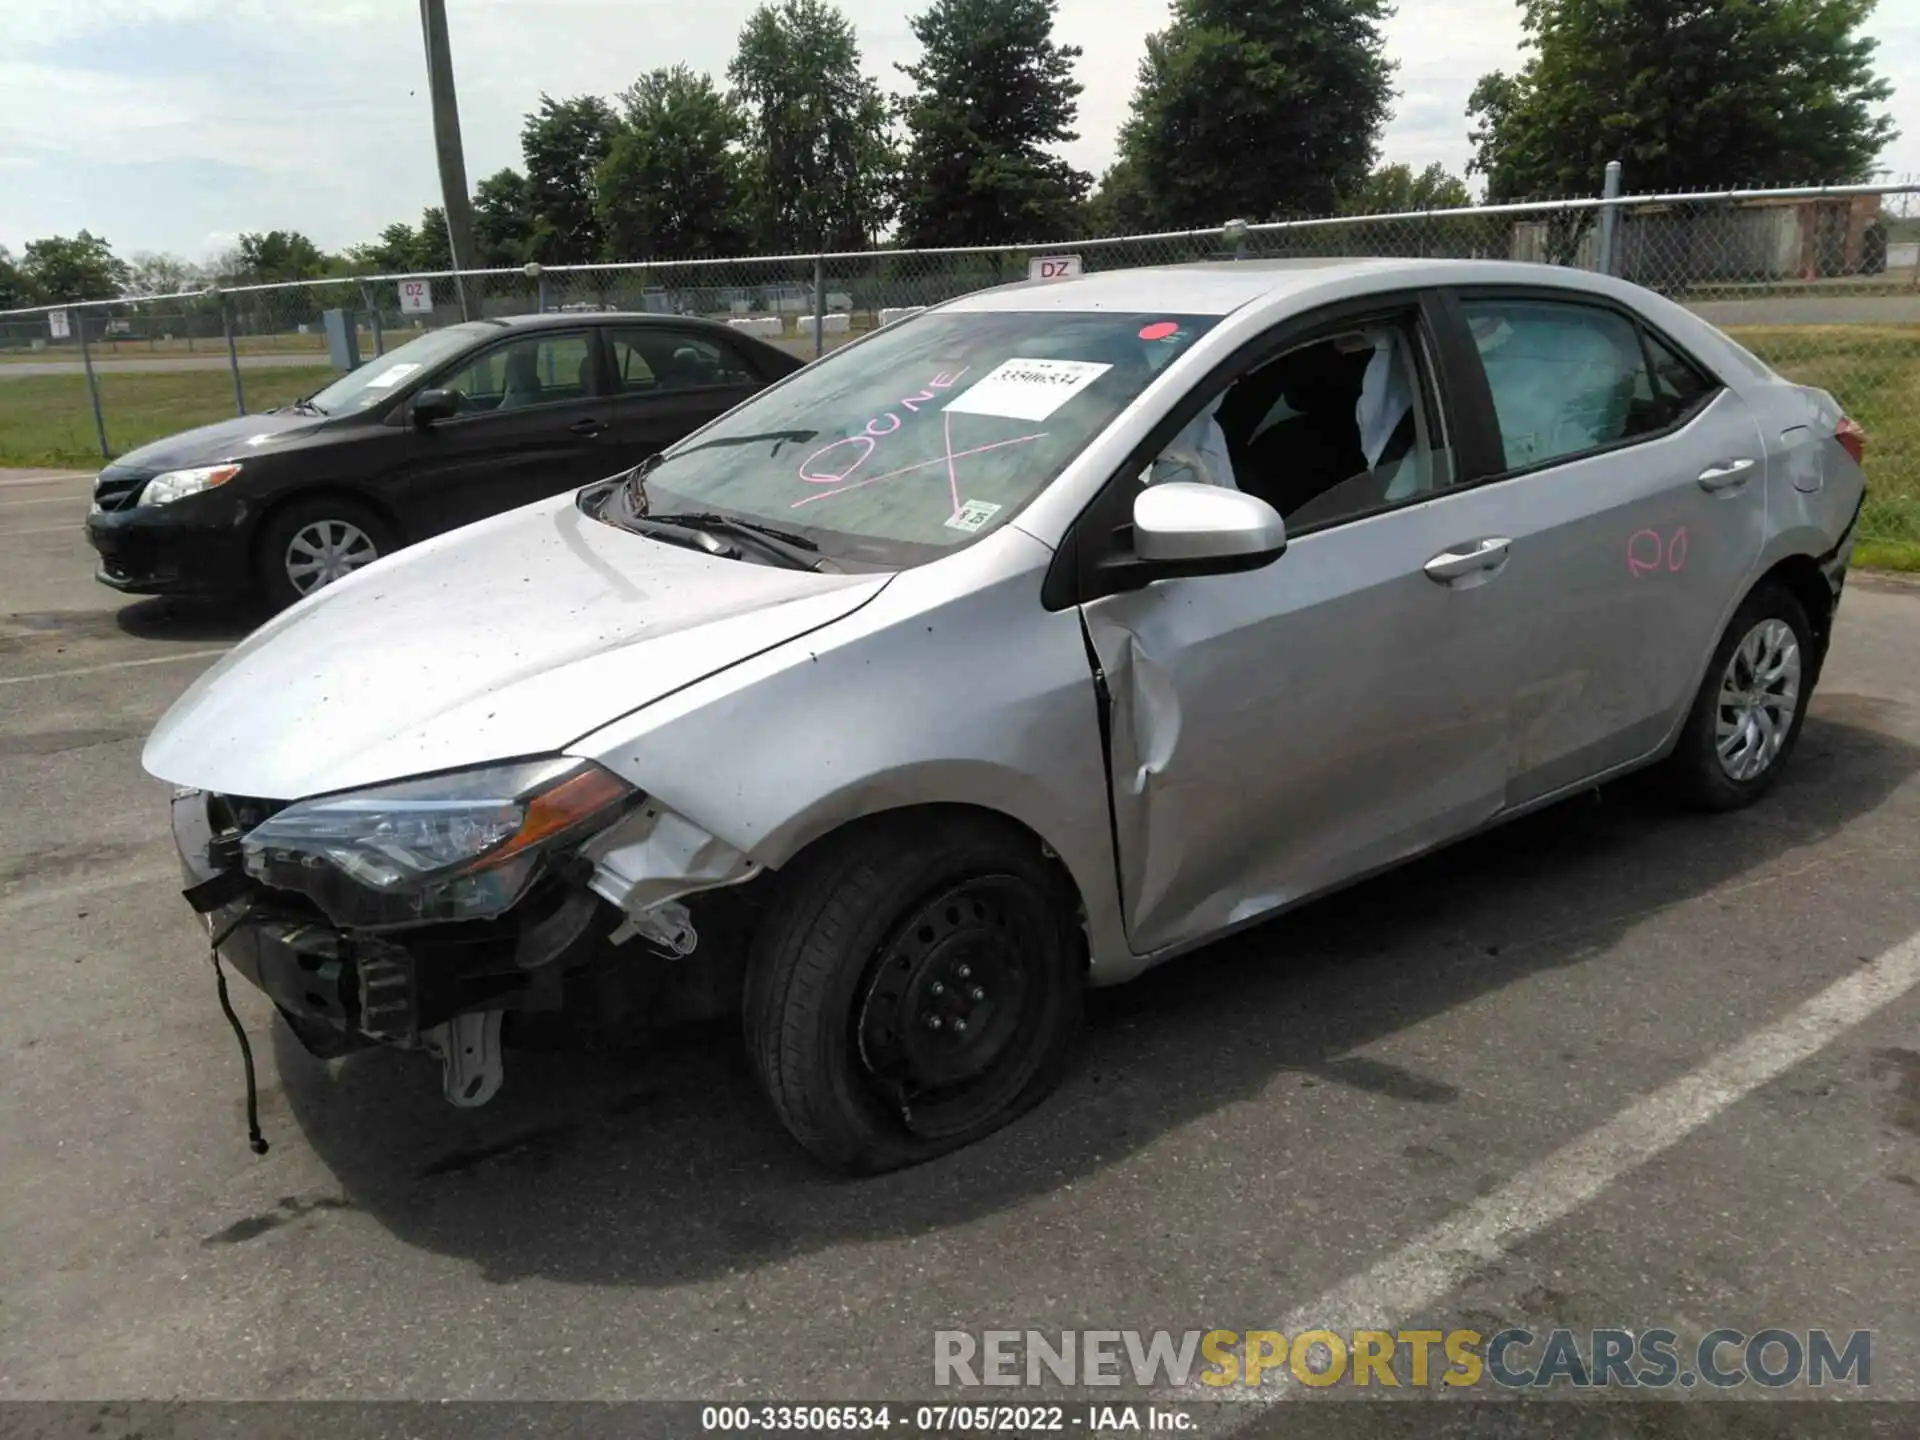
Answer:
[(416, 297), (1053, 267)]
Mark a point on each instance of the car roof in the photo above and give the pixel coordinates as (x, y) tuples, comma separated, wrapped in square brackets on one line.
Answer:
[(1219, 287), (554, 318)]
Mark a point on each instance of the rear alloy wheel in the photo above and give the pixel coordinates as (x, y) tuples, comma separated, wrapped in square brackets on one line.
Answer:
[(1751, 704), (913, 988), (313, 543)]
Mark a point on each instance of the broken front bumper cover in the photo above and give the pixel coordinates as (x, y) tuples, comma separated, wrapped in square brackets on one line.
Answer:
[(443, 987)]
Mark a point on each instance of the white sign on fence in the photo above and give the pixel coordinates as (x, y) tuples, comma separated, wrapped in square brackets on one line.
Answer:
[(1053, 267), (416, 297), (57, 324)]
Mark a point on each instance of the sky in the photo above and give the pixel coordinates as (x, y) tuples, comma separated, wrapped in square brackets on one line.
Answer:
[(174, 125)]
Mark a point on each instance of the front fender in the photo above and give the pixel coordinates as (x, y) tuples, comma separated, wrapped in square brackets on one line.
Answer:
[(954, 686)]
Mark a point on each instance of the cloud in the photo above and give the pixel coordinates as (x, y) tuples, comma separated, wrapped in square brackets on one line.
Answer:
[(157, 122)]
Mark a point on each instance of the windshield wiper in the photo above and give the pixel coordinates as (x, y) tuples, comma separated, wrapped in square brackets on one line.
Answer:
[(798, 551), (306, 407)]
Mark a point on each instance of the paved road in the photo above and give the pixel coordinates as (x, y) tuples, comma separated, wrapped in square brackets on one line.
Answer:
[(1426, 1100), (153, 364)]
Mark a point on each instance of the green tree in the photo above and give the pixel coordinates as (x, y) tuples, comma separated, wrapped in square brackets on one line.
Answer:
[(80, 267), (151, 273), (992, 93), (280, 255), (15, 289), (504, 218), (564, 143), (1396, 189), (823, 165), (1686, 94), (1118, 205), (393, 253), (1254, 110), (432, 250), (673, 185)]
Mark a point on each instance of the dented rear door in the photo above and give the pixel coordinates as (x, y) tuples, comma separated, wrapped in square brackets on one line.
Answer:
[(1277, 732)]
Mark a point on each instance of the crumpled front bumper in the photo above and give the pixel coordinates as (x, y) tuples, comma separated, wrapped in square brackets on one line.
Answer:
[(341, 990)]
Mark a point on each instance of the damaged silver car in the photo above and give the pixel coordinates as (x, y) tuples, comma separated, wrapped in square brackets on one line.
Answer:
[(1012, 649)]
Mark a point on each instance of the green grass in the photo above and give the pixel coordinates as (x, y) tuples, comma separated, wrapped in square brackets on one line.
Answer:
[(1874, 372), (46, 420)]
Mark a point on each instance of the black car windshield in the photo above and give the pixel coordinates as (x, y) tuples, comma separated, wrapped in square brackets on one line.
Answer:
[(376, 381), (921, 439)]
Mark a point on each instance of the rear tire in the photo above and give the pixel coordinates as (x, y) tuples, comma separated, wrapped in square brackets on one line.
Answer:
[(311, 543), (1751, 705), (872, 938)]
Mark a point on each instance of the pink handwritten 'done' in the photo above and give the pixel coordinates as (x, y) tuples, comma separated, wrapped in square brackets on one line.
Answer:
[(1648, 552), (856, 448)]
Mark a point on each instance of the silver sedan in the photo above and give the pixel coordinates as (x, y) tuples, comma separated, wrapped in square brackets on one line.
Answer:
[(1016, 648)]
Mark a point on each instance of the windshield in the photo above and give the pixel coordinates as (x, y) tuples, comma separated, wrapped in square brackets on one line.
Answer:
[(376, 380), (923, 438)]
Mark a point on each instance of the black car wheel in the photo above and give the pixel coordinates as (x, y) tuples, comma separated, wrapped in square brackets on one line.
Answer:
[(312, 543), (914, 987)]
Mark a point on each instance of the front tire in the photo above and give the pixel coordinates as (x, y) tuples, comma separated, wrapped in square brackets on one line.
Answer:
[(1751, 705), (311, 543), (915, 985)]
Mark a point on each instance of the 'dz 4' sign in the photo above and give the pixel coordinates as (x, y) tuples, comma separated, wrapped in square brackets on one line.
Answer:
[(416, 297), (1053, 267)]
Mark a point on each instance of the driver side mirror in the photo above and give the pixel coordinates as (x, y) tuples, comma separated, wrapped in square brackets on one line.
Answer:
[(1181, 528), (432, 405)]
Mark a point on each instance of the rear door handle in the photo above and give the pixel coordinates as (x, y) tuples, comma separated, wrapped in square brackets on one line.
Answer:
[(588, 426), (1451, 565), (1726, 475)]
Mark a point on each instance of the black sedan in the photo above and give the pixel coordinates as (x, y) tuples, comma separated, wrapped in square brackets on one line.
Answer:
[(453, 426)]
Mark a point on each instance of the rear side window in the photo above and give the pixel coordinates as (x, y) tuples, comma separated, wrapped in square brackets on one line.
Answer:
[(648, 359), (1676, 383), (1567, 378)]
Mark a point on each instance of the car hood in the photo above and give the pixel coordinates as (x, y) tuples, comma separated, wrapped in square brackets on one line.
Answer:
[(509, 638), (223, 440)]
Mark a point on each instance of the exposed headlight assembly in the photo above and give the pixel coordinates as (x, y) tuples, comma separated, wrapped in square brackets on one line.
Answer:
[(171, 485), (463, 846)]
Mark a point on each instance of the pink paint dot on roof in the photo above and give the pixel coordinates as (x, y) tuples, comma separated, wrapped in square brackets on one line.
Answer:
[(1159, 331)]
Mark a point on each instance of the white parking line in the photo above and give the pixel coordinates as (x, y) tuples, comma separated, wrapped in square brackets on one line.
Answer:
[(1438, 1262), (112, 665), (44, 500), (67, 529), (43, 477)]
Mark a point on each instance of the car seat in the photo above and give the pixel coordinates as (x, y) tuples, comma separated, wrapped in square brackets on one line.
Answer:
[(522, 386)]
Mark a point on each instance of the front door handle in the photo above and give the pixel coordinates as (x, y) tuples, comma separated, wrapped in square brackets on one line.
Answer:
[(588, 426), (1451, 565), (1726, 475)]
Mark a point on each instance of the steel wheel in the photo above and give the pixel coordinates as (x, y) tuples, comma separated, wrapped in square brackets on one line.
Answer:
[(325, 551), (945, 1033), (1759, 697)]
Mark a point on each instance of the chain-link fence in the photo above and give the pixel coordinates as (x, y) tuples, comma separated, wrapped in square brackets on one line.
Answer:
[(1823, 283)]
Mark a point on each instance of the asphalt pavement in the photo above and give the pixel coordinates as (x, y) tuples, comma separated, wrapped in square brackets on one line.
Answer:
[(1612, 1065)]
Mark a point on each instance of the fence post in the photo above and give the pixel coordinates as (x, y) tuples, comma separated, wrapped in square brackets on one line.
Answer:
[(93, 386), (373, 318), (819, 306), (233, 355), (540, 285), (1609, 219)]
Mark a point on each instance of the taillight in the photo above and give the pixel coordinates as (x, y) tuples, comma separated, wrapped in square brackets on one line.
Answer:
[(1852, 438)]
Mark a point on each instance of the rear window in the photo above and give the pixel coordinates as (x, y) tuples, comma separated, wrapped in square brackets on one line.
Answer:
[(927, 436)]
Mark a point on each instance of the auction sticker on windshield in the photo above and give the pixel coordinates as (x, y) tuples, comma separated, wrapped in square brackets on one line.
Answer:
[(1022, 389)]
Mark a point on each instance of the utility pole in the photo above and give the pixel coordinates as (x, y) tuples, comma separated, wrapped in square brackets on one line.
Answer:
[(446, 141)]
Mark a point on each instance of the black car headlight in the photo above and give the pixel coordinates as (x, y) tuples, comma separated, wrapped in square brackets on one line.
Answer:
[(462, 846)]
